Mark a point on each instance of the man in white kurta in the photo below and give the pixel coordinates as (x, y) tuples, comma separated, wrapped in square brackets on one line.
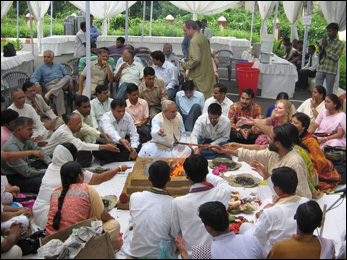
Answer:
[(185, 218), (277, 223), (150, 216), (279, 153), (167, 128)]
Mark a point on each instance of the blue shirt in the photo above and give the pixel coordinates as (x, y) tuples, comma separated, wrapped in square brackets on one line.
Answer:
[(185, 46), (185, 103), (45, 73), (94, 33)]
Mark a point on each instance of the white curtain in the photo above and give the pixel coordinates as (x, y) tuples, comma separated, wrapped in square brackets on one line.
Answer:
[(334, 12), (265, 9), (204, 7), (293, 10), (38, 9), (103, 10), (5, 6)]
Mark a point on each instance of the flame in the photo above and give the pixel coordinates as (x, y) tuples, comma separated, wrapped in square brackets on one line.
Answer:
[(178, 169)]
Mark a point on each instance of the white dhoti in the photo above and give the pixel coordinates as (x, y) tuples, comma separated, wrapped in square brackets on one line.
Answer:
[(150, 150)]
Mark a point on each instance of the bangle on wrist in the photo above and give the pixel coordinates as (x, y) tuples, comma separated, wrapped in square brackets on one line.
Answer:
[(325, 139), (120, 168)]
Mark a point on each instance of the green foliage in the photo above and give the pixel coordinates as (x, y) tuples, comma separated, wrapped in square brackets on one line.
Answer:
[(18, 45)]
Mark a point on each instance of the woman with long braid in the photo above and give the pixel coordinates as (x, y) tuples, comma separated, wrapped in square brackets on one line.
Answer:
[(76, 201)]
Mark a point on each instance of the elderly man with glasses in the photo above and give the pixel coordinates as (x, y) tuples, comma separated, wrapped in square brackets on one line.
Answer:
[(210, 128), (167, 129)]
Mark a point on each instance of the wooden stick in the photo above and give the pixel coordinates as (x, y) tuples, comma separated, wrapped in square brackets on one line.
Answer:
[(189, 144), (323, 220)]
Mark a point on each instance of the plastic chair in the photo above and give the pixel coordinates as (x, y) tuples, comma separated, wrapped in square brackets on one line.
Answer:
[(146, 59), (74, 63), (115, 56), (225, 60), (10, 80), (69, 96)]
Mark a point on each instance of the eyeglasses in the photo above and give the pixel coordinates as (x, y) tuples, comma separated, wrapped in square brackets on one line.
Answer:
[(172, 112)]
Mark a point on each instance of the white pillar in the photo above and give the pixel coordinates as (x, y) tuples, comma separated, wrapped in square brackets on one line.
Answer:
[(143, 21), (150, 23), (126, 22), (305, 35), (88, 76), (51, 18), (250, 40)]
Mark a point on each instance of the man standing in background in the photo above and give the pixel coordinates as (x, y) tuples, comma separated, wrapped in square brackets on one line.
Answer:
[(94, 31), (330, 52), (199, 63), (205, 30)]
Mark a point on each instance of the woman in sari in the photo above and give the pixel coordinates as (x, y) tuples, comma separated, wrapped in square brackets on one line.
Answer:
[(282, 114), (76, 201), (330, 124), (62, 154), (329, 178)]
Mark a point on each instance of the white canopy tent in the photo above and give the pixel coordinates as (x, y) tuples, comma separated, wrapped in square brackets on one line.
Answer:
[(205, 7)]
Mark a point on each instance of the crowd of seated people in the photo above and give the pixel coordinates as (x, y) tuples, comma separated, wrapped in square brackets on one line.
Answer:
[(146, 117)]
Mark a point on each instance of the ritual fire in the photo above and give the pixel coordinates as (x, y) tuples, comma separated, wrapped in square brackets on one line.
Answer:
[(137, 180), (177, 167)]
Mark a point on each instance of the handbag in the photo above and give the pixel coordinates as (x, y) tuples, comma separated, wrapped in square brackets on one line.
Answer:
[(29, 245), (9, 50), (335, 153)]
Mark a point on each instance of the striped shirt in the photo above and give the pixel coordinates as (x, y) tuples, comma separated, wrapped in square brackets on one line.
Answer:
[(333, 53), (156, 95), (236, 111)]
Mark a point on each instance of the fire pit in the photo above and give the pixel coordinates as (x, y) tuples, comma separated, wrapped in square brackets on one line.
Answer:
[(138, 179)]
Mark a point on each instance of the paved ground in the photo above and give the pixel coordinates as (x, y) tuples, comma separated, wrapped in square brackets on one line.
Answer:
[(299, 96)]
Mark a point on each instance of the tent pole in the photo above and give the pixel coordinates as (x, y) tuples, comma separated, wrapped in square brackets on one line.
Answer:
[(305, 35), (31, 30), (126, 22), (150, 24), (275, 19), (17, 20), (51, 17), (88, 76), (250, 40), (143, 21)]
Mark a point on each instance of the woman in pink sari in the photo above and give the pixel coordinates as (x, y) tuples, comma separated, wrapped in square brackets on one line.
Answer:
[(330, 124)]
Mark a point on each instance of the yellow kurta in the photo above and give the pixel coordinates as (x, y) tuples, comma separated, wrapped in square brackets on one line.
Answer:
[(200, 65)]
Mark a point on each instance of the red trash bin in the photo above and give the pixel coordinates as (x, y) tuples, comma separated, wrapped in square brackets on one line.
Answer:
[(248, 78), (239, 65)]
